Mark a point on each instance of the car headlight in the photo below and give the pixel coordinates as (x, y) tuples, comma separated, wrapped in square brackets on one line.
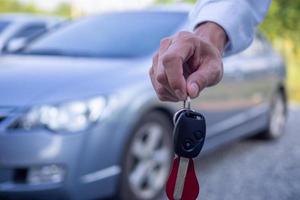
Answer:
[(72, 116)]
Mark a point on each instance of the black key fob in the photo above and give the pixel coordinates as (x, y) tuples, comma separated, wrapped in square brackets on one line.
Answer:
[(189, 133)]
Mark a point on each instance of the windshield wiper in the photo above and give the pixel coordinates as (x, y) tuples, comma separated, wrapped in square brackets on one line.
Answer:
[(55, 52), (50, 52)]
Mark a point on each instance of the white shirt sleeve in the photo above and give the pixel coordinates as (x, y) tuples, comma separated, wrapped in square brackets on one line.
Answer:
[(237, 17)]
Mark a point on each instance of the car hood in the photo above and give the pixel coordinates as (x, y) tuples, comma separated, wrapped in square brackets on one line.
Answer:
[(27, 80)]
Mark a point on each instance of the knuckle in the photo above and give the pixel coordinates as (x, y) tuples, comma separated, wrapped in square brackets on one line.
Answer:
[(218, 69), (202, 80), (151, 71), (182, 34), (216, 74), (175, 84), (169, 58), (160, 91), (220, 73), (165, 41), (190, 40), (161, 78), (155, 58)]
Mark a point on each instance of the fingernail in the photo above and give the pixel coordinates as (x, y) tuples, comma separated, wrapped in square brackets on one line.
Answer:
[(179, 94), (194, 89)]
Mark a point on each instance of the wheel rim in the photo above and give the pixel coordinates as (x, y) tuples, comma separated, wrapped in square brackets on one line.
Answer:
[(149, 160), (278, 117)]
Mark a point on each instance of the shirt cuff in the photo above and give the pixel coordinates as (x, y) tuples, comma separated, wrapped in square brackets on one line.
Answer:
[(232, 18)]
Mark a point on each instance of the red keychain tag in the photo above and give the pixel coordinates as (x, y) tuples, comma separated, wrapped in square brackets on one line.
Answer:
[(191, 185)]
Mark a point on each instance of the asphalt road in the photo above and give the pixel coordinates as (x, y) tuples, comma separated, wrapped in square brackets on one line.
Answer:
[(254, 169)]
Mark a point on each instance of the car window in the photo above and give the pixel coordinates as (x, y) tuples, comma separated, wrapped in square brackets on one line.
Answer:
[(3, 25), (31, 30), (122, 35)]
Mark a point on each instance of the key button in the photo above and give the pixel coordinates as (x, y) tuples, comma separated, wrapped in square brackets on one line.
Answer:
[(198, 135), (188, 144)]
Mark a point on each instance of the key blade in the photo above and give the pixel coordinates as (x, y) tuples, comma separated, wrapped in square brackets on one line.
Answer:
[(181, 175)]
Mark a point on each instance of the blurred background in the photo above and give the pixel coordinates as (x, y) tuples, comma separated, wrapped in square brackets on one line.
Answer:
[(281, 25), (61, 132)]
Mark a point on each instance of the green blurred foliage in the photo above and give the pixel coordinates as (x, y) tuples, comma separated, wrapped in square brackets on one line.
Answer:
[(282, 21), (15, 6), (282, 27), (164, 1), (64, 10)]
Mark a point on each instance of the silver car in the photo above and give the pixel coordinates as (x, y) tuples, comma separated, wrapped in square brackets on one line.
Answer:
[(17, 30), (79, 118)]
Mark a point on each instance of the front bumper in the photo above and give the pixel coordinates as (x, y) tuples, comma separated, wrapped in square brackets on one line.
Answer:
[(85, 177)]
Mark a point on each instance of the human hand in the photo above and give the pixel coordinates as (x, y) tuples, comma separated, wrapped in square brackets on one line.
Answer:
[(188, 62)]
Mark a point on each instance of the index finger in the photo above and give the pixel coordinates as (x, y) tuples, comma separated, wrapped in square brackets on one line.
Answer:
[(172, 62)]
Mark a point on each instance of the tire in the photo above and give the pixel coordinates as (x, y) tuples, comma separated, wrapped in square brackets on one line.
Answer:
[(277, 117), (148, 158)]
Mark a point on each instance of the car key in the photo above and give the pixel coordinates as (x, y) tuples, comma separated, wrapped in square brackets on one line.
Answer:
[(189, 136)]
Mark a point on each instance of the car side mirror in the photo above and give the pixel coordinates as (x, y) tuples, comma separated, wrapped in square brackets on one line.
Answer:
[(16, 44)]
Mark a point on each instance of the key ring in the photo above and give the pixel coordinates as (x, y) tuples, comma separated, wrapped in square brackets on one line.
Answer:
[(186, 106), (187, 103)]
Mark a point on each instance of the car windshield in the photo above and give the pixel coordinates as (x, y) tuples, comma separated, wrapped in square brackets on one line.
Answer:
[(3, 25), (118, 35)]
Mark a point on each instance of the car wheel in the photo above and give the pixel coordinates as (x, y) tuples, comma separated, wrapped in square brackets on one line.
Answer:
[(277, 118), (148, 158)]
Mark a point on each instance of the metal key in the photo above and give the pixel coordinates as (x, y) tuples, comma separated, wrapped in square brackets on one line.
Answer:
[(180, 179), (189, 135)]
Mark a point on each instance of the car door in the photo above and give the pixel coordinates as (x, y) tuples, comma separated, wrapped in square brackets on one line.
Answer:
[(224, 105), (243, 94), (230, 103), (256, 64)]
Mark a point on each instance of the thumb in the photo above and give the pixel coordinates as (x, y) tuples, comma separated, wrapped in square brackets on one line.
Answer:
[(196, 82)]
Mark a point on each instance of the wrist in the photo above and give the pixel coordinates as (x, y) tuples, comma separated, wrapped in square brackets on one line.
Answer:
[(212, 33)]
